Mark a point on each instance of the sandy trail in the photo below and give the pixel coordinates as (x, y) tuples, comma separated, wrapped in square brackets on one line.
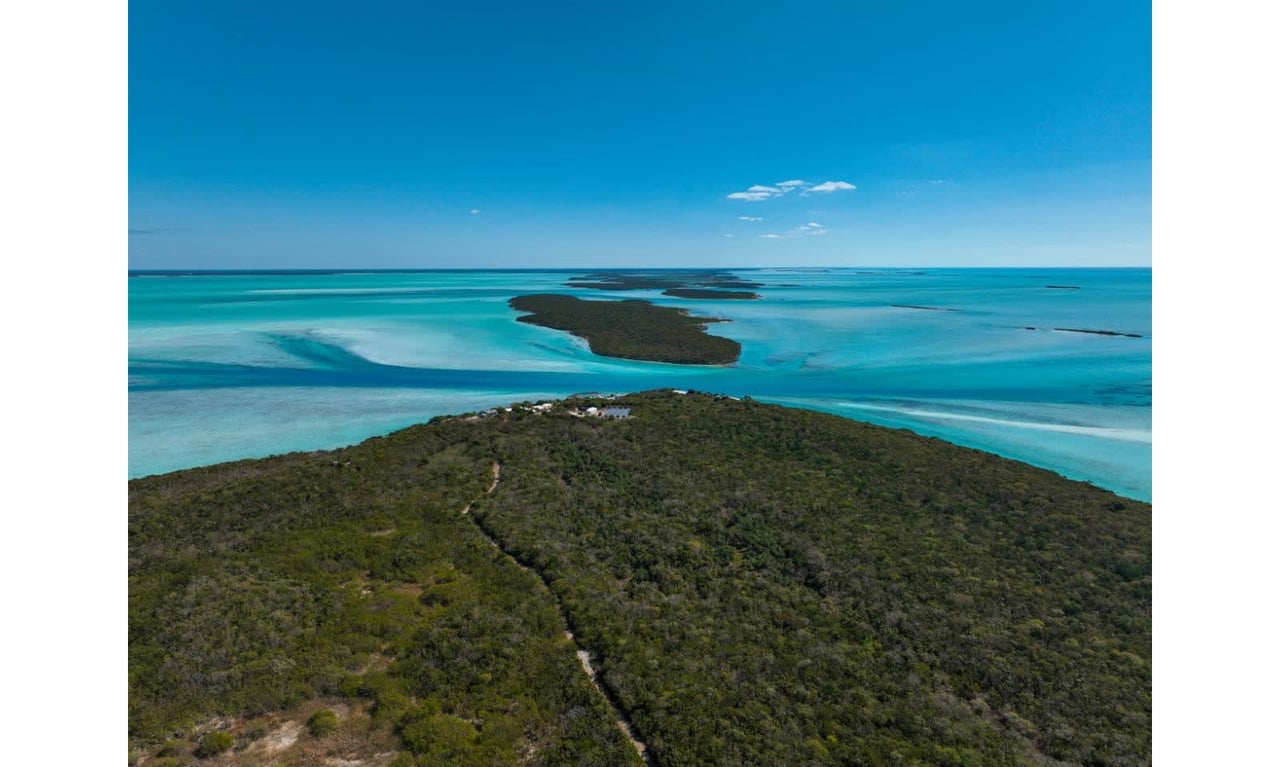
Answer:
[(584, 657)]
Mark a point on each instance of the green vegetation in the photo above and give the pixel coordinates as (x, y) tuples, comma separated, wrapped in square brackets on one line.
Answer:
[(256, 586), (214, 743), (712, 294), (756, 586), (631, 329), (661, 280), (322, 723)]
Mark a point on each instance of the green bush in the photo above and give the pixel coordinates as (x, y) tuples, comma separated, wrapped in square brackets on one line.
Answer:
[(214, 743), (439, 736), (322, 723)]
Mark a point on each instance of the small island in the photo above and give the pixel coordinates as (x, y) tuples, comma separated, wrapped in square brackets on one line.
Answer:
[(707, 293), (924, 308), (631, 329), (662, 280), (1115, 333), (1099, 332)]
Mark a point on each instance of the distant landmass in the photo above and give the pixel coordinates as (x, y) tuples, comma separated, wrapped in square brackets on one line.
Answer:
[(663, 578), (1092, 332), (711, 294), (1100, 332), (664, 279), (925, 308), (631, 329)]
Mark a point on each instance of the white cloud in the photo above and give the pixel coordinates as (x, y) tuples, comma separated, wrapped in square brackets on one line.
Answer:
[(757, 192), (728, 235), (751, 196), (750, 218), (811, 229), (832, 186), (475, 211), (935, 181)]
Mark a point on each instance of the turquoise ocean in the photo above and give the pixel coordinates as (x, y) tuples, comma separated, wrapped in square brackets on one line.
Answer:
[(227, 365)]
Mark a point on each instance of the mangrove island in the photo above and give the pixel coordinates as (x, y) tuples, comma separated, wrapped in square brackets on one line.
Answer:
[(631, 329)]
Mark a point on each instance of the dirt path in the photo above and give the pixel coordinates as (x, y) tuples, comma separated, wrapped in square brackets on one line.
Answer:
[(584, 657), (497, 474)]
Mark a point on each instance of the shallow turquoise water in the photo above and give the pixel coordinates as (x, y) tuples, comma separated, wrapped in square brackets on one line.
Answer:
[(244, 365)]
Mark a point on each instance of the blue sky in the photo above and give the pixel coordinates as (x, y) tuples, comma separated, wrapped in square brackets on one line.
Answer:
[(432, 135)]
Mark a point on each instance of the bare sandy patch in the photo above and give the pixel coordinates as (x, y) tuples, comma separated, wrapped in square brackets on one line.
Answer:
[(278, 739)]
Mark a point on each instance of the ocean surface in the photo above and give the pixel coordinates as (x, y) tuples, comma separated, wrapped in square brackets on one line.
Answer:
[(236, 365)]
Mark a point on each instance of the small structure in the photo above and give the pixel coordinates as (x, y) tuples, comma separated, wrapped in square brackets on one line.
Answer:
[(615, 412)]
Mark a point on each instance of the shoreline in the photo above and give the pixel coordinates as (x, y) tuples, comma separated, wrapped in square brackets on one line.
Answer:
[(204, 391), (922, 429)]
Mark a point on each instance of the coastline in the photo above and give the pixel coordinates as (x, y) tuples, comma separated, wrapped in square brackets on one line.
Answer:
[(224, 367), (870, 414)]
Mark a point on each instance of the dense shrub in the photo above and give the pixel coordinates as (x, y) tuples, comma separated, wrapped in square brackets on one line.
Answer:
[(322, 723), (437, 735), (256, 586), (214, 743)]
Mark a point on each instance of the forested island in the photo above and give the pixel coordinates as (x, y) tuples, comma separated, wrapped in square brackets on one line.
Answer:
[(667, 279), (708, 293), (631, 329), (754, 585)]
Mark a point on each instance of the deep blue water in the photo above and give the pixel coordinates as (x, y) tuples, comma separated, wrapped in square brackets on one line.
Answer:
[(234, 365)]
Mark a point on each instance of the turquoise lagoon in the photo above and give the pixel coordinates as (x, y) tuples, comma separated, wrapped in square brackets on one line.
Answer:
[(225, 366)]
